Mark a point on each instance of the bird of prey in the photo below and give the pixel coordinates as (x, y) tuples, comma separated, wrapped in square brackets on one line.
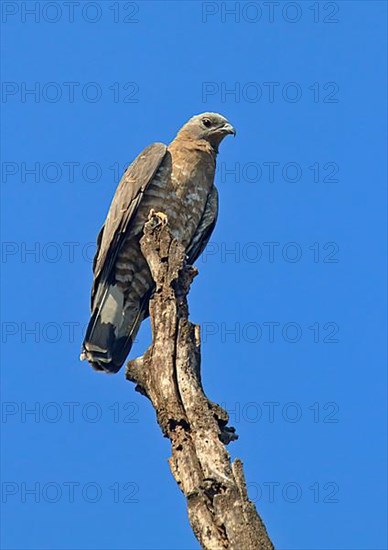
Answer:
[(177, 180)]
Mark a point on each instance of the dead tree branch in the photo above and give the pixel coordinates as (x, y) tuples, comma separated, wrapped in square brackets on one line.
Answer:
[(221, 515)]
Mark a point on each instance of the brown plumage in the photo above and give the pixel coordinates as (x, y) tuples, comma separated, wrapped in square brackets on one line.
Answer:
[(177, 180)]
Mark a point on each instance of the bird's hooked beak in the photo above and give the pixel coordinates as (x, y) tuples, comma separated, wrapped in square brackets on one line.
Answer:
[(228, 129)]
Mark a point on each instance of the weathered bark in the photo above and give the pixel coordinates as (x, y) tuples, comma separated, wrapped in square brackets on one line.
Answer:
[(220, 513)]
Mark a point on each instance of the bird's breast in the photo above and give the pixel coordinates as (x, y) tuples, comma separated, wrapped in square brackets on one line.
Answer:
[(179, 189)]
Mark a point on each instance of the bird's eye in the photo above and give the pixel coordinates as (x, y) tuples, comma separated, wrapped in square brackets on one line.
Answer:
[(206, 122)]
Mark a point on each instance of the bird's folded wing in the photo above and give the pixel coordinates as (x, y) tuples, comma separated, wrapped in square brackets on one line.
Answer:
[(205, 227), (123, 208)]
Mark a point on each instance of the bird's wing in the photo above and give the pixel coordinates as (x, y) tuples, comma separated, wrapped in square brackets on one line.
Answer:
[(124, 205), (205, 227)]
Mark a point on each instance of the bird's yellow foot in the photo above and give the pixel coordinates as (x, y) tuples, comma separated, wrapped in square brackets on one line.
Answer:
[(163, 219)]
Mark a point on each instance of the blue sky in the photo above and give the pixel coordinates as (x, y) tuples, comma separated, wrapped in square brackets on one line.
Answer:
[(291, 290)]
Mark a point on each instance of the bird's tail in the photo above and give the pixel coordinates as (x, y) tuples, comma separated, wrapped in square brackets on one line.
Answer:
[(111, 331)]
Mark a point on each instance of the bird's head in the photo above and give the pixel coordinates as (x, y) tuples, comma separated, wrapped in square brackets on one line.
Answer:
[(211, 127)]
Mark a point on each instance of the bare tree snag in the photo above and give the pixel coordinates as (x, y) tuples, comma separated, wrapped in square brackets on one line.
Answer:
[(221, 515)]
